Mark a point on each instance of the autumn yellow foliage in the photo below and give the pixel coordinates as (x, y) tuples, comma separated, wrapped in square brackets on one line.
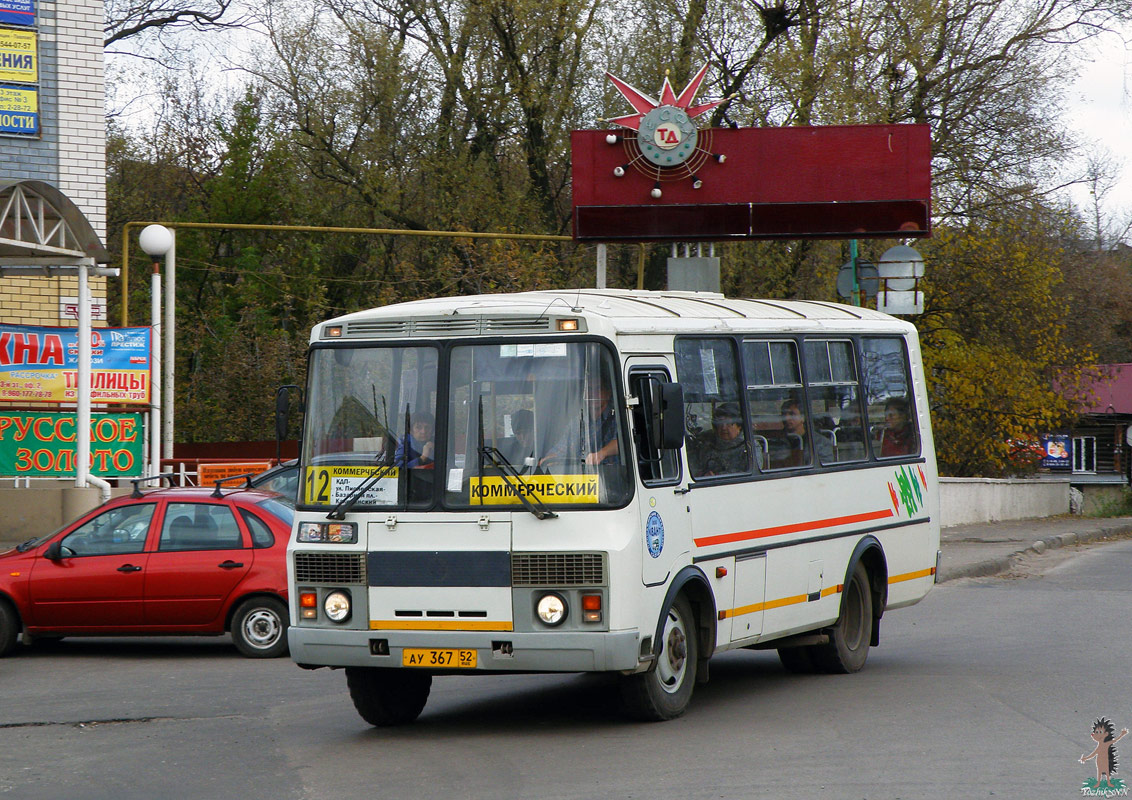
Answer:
[(994, 343)]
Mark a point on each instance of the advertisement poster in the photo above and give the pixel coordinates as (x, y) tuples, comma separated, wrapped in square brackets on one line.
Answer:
[(17, 12), (43, 445), (1057, 451), (40, 365), (18, 56), (19, 110)]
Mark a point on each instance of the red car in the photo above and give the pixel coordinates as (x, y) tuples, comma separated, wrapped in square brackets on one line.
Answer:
[(161, 562)]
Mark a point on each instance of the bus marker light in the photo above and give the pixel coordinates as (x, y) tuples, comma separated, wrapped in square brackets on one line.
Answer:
[(721, 572), (567, 324), (591, 607), (308, 605)]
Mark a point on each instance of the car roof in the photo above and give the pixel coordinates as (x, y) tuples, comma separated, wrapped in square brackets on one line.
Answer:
[(205, 493)]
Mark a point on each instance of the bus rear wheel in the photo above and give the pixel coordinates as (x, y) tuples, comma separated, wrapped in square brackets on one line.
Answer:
[(665, 690), (849, 639), (388, 697)]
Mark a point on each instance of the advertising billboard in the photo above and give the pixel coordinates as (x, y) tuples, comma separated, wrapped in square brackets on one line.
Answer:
[(43, 445), (40, 365)]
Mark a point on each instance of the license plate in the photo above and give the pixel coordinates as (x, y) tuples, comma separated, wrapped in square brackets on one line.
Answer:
[(438, 658)]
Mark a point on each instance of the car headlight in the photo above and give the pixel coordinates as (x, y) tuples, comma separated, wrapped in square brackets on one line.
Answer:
[(551, 608), (337, 606), (328, 532)]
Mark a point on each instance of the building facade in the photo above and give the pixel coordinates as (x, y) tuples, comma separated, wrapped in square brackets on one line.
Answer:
[(62, 91)]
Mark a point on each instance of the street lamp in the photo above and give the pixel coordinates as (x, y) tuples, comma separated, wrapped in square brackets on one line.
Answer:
[(158, 241)]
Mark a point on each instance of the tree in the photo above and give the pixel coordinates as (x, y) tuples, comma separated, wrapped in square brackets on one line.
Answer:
[(994, 341), (129, 19)]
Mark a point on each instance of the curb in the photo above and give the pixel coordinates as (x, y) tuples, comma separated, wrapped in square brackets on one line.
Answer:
[(995, 566)]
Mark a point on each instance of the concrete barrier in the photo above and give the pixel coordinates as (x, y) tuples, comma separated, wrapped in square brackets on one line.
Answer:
[(965, 501), (25, 513)]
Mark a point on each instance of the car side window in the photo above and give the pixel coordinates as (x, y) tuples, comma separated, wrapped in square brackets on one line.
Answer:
[(261, 533), (199, 526), (118, 531)]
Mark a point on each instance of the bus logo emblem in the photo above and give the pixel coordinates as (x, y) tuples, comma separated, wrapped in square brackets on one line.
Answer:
[(654, 534)]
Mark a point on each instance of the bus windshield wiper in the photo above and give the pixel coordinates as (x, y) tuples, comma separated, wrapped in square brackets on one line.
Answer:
[(508, 472), (347, 502)]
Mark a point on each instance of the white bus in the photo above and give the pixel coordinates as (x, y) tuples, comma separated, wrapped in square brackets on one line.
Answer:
[(604, 480)]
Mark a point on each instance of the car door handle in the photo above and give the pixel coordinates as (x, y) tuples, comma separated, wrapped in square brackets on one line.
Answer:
[(230, 564), (129, 568)]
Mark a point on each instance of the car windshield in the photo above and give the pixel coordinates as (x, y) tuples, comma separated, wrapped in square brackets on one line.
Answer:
[(278, 508), (283, 479), (38, 540)]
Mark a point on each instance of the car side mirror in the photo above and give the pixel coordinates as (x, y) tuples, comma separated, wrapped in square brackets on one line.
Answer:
[(54, 551)]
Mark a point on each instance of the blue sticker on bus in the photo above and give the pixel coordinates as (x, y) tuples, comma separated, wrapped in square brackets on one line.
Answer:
[(654, 534)]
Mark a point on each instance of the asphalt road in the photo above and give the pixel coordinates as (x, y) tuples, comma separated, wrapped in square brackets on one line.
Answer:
[(988, 688)]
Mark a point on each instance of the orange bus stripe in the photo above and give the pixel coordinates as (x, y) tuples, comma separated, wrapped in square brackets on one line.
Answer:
[(911, 576), (778, 530), (437, 625)]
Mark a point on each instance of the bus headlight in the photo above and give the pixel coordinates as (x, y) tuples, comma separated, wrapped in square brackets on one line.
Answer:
[(337, 606), (551, 608)]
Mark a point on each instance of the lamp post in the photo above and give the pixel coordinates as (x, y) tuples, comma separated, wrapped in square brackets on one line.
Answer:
[(156, 241)]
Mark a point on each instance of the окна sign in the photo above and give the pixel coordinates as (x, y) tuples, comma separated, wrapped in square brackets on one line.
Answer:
[(40, 364), (43, 445)]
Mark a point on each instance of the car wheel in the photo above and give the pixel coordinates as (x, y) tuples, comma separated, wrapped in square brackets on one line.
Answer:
[(666, 689), (9, 628), (259, 628), (849, 638), (387, 697)]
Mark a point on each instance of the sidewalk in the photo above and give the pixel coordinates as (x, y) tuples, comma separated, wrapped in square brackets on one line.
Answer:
[(991, 547)]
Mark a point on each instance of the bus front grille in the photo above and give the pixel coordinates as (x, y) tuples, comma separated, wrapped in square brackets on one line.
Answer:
[(558, 569), (330, 567)]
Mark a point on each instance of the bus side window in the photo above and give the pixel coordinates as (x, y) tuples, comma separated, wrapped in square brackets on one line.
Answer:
[(888, 393), (718, 439), (776, 400), (835, 403)]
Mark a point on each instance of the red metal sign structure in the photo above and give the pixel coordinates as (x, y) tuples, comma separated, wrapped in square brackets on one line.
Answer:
[(659, 178)]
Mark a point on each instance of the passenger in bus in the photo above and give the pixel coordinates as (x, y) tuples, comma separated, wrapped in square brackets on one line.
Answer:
[(522, 450), (791, 448), (724, 450), (899, 437), (416, 449)]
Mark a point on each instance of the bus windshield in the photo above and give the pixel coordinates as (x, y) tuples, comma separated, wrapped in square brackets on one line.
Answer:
[(541, 418), (370, 407), (550, 411)]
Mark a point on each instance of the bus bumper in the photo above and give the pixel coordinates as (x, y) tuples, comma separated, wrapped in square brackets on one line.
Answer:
[(560, 651)]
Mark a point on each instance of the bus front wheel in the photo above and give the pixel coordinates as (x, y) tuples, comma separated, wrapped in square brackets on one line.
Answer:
[(387, 697), (665, 690), (849, 639)]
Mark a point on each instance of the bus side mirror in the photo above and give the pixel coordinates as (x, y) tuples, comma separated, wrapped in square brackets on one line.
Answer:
[(670, 422), (283, 412)]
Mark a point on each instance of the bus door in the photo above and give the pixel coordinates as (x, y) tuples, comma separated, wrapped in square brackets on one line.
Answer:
[(440, 571), (665, 539)]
